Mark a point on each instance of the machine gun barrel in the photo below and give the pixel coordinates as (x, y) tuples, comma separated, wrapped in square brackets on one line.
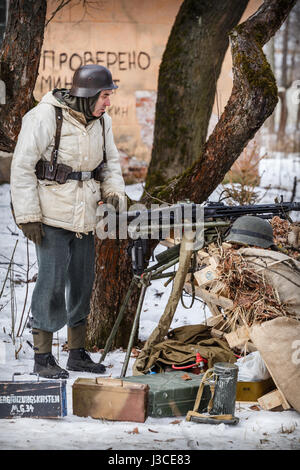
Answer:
[(215, 210), (267, 210)]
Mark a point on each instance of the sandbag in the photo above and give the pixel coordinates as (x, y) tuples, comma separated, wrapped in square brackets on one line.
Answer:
[(281, 271), (278, 342)]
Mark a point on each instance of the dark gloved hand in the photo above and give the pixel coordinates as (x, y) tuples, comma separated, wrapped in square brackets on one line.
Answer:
[(33, 231), (117, 200)]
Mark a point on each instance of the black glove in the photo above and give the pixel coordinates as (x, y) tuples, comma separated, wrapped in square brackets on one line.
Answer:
[(33, 231)]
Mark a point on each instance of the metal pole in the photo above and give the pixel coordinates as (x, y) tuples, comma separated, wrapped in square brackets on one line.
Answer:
[(145, 284), (134, 280), (118, 321), (159, 267)]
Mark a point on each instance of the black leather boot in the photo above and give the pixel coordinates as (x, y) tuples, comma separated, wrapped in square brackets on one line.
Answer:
[(46, 366), (80, 361)]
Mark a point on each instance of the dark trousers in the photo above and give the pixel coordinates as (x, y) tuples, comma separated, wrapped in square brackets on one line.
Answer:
[(65, 279)]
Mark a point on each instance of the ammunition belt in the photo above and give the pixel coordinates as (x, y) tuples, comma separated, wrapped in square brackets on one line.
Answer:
[(61, 173), (81, 175)]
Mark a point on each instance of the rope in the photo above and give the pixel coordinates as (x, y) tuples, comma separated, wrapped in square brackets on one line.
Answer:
[(193, 262)]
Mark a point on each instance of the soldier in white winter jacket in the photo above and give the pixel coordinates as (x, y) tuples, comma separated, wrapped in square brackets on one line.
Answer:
[(64, 163)]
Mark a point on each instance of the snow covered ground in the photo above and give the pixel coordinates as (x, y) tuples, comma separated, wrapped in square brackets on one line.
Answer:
[(257, 429)]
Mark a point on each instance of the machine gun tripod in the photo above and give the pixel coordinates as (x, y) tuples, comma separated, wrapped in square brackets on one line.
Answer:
[(143, 281)]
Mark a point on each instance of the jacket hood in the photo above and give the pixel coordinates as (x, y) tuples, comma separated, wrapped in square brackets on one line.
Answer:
[(81, 106), (49, 98)]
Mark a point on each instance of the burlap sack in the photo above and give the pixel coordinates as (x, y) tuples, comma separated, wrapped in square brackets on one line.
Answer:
[(278, 342), (281, 271)]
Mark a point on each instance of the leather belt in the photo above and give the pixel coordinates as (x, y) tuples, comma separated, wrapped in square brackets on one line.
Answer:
[(81, 175)]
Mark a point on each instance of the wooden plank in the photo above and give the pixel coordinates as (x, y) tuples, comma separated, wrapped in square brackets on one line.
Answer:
[(206, 275), (217, 333), (214, 261), (168, 242), (216, 321), (207, 296), (202, 255), (273, 400)]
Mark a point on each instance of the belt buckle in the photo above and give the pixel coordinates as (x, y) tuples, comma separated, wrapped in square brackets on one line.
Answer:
[(86, 175)]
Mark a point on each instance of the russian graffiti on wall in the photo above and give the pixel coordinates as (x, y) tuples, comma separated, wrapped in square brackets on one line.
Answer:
[(63, 65), (128, 68)]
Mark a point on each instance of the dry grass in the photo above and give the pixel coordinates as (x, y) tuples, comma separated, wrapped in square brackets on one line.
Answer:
[(255, 301), (281, 229), (243, 178)]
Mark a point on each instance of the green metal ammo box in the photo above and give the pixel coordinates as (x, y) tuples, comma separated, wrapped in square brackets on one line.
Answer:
[(170, 394)]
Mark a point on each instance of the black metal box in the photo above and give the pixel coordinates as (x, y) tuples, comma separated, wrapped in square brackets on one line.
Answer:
[(33, 399)]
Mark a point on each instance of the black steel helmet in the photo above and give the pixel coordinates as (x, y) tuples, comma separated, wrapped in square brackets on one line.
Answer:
[(88, 80), (251, 230)]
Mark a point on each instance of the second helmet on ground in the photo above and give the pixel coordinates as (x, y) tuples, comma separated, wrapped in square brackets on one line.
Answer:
[(251, 230)]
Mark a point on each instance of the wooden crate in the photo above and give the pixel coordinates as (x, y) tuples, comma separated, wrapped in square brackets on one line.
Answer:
[(112, 399)]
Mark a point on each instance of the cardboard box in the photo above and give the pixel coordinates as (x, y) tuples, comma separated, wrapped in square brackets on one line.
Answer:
[(251, 391)]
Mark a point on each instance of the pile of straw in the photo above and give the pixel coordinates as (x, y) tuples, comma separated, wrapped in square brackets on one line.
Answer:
[(255, 301), (281, 231)]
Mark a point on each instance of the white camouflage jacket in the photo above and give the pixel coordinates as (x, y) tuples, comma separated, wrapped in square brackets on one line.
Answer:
[(71, 205)]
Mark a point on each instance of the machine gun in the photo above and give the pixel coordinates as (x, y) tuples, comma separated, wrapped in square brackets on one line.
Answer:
[(218, 210), (216, 218)]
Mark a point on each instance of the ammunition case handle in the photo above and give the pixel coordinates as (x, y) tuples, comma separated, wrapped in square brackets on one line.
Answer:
[(20, 373)]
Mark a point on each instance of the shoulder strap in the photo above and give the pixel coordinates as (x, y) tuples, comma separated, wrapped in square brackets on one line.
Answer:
[(103, 135), (59, 120)]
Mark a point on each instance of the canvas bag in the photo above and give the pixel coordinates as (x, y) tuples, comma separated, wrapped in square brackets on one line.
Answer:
[(280, 270), (180, 348), (278, 342)]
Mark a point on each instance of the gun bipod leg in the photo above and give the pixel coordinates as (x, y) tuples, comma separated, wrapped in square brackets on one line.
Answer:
[(118, 320), (145, 281)]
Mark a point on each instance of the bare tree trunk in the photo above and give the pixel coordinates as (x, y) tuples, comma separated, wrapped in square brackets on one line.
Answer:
[(270, 54), (19, 63), (253, 99), (284, 85), (189, 70), (113, 275)]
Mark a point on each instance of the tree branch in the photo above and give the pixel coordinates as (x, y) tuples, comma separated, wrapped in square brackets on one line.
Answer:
[(62, 4), (190, 67), (253, 99)]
